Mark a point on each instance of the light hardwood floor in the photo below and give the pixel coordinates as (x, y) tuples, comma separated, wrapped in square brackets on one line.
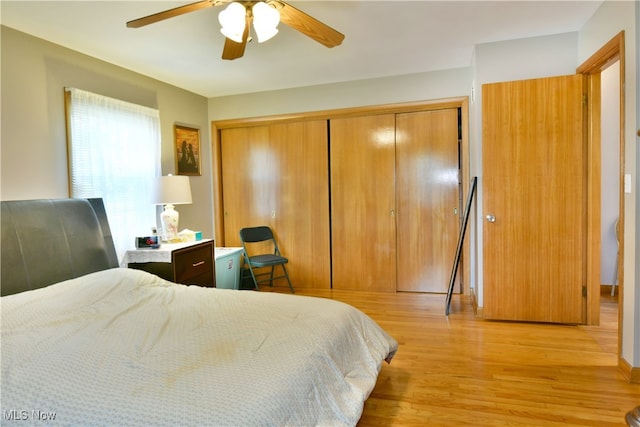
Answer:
[(464, 371)]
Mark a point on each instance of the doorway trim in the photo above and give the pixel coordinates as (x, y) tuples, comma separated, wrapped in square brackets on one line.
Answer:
[(608, 54)]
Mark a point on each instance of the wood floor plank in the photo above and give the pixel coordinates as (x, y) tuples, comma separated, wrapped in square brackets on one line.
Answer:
[(461, 370)]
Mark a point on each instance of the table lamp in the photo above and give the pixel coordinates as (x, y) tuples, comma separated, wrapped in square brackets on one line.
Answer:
[(171, 190)]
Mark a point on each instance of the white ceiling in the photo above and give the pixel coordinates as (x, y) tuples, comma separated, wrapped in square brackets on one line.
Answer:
[(383, 38)]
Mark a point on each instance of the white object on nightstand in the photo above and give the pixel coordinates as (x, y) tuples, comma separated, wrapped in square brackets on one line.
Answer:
[(171, 190)]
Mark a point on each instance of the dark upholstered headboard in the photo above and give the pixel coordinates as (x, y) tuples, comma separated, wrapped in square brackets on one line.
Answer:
[(51, 240)]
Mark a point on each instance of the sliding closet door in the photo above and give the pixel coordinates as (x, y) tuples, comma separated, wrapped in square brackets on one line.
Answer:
[(249, 165), (302, 213), (277, 175), (363, 203), (427, 198)]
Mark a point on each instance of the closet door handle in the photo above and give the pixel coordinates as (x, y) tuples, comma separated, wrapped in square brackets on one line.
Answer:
[(490, 218)]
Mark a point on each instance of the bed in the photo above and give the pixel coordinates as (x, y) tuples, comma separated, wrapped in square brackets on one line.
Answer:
[(87, 343)]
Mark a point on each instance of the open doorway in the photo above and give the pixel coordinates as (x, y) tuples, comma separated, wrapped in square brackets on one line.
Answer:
[(610, 178), (594, 67)]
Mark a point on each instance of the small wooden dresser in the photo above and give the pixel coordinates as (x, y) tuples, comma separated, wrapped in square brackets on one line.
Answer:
[(189, 263)]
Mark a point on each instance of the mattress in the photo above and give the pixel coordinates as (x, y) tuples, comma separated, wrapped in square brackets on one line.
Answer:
[(124, 347)]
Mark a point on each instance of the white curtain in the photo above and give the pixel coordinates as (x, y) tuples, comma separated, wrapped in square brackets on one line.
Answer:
[(114, 153)]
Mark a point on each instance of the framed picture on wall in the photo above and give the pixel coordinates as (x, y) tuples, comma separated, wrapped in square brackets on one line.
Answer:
[(187, 150)]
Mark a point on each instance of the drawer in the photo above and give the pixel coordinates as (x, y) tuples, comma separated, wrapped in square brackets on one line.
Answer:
[(194, 265)]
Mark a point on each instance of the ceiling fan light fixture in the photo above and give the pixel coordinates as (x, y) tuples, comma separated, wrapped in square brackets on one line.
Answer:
[(233, 21), (238, 16), (265, 21)]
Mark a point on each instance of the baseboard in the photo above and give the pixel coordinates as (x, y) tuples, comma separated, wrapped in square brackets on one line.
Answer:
[(474, 302), (474, 299), (634, 377), (605, 289), (631, 373)]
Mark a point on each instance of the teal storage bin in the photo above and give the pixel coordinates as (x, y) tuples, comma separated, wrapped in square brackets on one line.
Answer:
[(228, 267)]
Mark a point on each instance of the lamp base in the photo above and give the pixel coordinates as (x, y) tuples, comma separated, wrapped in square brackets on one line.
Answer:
[(169, 220)]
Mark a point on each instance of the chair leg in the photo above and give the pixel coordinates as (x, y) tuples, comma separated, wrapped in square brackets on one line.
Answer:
[(288, 280), (253, 276), (286, 275), (271, 276)]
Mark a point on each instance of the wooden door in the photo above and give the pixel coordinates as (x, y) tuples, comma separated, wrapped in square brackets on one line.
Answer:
[(363, 229), (534, 196), (277, 175), (427, 198)]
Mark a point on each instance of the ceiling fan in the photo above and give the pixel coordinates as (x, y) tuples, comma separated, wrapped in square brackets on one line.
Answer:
[(237, 18)]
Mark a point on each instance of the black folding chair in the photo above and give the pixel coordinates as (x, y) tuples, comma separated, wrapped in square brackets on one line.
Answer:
[(261, 250)]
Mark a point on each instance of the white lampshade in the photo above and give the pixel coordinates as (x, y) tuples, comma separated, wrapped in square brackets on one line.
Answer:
[(172, 189), (233, 21), (265, 21)]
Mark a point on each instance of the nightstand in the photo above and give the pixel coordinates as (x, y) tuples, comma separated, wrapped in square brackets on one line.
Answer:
[(189, 263)]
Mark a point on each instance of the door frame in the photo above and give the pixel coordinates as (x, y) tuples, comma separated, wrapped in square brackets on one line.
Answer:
[(608, 54), (436, 104)]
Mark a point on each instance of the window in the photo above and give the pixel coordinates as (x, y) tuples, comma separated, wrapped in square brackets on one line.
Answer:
[(114, 153)]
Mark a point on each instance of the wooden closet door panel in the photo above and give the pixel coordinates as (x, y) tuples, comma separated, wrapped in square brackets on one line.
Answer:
[(277, 175), (301, 221), (534, 185), (249, 171), (363, 203), (427, 198)]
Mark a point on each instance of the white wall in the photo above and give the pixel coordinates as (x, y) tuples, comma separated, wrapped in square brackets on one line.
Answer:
[(34, 151), (389, 90)]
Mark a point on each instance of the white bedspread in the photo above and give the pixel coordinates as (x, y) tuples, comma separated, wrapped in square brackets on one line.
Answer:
[(123, 347)]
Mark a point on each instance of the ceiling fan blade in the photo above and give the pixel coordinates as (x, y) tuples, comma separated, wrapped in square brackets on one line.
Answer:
[(234, 50), (176, 11), (298, 20)]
